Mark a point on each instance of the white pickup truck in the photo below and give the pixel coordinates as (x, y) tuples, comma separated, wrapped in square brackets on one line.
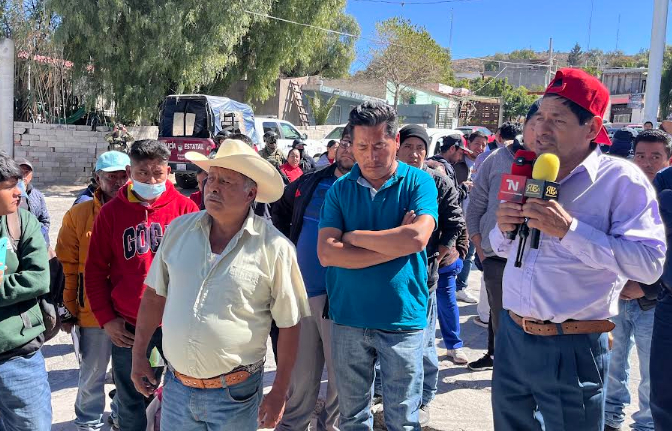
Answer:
[(287, 133)]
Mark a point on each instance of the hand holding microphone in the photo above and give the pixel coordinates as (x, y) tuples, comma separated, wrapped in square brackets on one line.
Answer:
[(512, 187), (542, 210)]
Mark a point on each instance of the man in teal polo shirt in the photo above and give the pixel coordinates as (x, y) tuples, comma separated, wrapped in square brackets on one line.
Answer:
[(374, 226)]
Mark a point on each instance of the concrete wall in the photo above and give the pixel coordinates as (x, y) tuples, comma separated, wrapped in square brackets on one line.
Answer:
[(65, 154), (526, 76), (316, 132), (418, 114), (279, 105)]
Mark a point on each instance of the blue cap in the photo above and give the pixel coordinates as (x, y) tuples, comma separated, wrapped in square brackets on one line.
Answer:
[(112, 161)]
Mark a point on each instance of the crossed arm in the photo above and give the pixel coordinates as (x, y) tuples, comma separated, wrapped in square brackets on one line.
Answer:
[(364, 248)]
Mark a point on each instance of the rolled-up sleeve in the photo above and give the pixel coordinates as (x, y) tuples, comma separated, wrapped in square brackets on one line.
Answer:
[(635, 245), (158, 277), (289, 302), (501, 245)]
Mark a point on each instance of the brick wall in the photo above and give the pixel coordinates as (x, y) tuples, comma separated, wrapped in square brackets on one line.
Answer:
[(65, 154)]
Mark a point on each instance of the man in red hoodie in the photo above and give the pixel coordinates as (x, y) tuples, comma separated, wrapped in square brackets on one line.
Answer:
[(125, 238)]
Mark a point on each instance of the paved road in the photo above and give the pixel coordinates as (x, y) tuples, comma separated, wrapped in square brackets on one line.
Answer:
[(462, 403)]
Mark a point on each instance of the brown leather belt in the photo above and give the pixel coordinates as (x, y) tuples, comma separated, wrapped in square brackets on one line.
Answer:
[(570, 327), (238, 375)]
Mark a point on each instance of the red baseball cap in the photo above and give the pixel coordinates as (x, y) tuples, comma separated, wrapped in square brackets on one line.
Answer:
[(586, 91)]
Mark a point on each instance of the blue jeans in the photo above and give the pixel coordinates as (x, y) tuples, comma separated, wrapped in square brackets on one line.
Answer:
[(130, 402), (463, 277), (449, 312), (96, 349), (430, 360), (661, 371), (233, 408), (561, 376), (355, 352), (633, 326), (25, 395)]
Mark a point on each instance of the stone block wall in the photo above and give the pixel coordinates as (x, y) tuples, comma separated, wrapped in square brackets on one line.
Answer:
[(65, 154)]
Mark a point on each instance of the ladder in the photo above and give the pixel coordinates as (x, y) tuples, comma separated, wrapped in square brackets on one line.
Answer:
[(297, 98)]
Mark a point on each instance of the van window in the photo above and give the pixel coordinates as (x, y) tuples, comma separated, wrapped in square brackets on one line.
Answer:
[(183, 124), (288, 132)]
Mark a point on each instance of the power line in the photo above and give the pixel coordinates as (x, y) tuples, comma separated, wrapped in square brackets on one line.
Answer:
[(411, 3)]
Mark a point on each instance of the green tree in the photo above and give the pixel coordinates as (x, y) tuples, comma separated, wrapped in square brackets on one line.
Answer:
[(522, 54), (321, 109), (135, 52), (574, 57), (407, 56), (515, 101)]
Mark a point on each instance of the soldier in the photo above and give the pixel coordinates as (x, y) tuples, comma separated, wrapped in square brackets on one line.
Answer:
[(271, 152), (119, 139)]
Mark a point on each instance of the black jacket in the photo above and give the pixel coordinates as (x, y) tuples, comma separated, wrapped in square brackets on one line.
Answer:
[(450, 171), (450, 227), (287, 213)]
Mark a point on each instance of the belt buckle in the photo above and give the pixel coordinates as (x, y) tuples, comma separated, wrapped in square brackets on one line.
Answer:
[(524, 323)]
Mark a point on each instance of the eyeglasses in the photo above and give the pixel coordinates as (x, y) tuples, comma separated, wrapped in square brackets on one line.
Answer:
[(345, 144)]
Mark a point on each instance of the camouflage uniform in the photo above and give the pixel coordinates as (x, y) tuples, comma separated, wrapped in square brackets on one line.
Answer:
[(274, 157), (119, 140)]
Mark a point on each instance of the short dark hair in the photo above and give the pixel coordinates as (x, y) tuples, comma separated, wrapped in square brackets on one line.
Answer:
[(347, 131), (509, 130), (582, 114), (9, 169), (648, 122), (241, 137), (371, 114), (149, 149), (654, 135), (332, 143), (477, 134)]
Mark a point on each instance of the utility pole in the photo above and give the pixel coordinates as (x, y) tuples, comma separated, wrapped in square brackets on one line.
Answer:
[(549, 74), (590, 24), (450, 40), (656, 53)]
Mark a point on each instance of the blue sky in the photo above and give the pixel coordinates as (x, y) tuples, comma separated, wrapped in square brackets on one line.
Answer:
[(483, 27)]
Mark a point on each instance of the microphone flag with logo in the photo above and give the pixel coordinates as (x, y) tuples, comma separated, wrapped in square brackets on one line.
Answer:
[(512, 186)]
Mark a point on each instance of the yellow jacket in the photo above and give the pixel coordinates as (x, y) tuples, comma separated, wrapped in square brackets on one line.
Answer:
[(72, 250)]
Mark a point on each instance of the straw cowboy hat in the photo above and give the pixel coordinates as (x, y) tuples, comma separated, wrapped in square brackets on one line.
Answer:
[(238, 156)]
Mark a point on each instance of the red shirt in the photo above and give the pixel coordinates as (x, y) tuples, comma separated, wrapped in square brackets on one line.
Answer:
[(197, 197), (292, 173), (125, 237)]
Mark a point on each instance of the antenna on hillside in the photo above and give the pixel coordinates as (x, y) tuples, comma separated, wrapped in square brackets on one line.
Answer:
[(618, 30)]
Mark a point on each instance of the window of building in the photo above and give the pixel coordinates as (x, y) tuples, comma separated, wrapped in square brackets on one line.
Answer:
[(622, 118)]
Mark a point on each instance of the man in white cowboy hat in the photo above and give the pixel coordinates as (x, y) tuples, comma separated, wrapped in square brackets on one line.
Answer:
[(217, 280)]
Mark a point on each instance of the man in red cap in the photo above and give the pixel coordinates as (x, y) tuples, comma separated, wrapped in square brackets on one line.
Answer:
[(604, 228)]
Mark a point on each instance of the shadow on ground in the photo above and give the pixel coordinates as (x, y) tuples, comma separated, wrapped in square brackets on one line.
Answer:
[(63, 379), (52, 350)]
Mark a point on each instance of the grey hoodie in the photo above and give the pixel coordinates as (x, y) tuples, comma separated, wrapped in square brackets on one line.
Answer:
[(483, 202)]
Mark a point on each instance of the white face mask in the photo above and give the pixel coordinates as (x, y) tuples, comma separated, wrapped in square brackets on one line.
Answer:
[(149, 191)]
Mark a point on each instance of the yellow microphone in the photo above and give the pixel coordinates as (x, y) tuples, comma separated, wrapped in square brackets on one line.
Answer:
[(543, 185), (546, 167)]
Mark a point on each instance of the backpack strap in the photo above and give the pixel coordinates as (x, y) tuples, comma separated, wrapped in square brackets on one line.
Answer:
[(13, 221)]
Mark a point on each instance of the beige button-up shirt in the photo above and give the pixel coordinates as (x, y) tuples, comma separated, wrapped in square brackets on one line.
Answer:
[(219, 307)]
